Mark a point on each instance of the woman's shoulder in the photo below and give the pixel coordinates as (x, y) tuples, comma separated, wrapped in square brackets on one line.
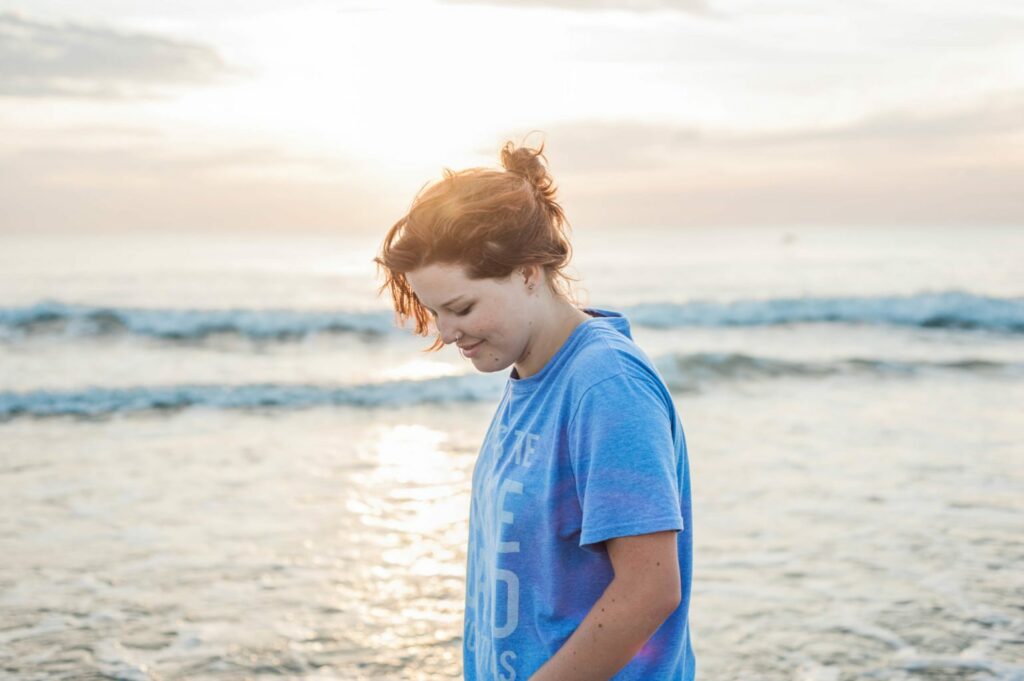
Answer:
[(606, 352), (614, 381)]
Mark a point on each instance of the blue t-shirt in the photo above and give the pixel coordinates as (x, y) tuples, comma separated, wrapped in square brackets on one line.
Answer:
[(588, 449)]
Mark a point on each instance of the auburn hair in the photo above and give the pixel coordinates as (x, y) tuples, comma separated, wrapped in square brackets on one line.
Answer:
[(489, 221)]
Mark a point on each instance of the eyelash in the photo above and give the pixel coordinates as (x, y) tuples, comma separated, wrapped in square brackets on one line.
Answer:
[(460, 314)]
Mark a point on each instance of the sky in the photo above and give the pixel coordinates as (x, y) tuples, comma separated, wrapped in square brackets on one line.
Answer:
[(314, 115)]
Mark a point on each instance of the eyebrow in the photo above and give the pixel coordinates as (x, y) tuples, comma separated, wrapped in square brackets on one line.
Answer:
[(455, 299)]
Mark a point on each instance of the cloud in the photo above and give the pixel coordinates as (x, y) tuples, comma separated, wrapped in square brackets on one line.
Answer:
[(151, 183), (951, 167), (699, 7), (955, 166), (588, 146), (40, 59)]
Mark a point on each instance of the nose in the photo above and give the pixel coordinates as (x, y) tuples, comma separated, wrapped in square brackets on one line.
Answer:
[(448, 333)]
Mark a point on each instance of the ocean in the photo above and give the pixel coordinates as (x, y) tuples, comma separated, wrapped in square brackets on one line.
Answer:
[(220, 458)]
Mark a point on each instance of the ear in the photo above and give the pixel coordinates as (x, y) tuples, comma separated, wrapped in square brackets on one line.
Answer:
[(532, 274)]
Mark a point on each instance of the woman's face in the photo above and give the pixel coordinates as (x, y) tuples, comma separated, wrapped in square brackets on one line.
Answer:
[(490, 317)]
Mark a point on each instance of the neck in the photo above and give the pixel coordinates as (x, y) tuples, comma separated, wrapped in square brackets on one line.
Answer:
[(561, 320)]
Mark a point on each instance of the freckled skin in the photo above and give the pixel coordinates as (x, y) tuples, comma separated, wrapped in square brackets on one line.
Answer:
[(519, 319)]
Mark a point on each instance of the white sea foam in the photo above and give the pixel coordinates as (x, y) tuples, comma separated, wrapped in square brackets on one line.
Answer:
[(681, 373), (948, 310)]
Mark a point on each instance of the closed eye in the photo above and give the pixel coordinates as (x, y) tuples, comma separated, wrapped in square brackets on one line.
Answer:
[(461, 314)]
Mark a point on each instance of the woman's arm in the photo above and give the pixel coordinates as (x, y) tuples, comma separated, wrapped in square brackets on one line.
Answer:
[(643, 593)]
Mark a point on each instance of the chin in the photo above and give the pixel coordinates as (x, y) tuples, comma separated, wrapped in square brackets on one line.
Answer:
[(489, 367)]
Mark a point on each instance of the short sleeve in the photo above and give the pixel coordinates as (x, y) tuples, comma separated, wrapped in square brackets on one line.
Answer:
[(624, 460)]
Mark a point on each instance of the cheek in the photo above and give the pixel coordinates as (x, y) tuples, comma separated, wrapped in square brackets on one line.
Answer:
[(498, 330), (488, 328)]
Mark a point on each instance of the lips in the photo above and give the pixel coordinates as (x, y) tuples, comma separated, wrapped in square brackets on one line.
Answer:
[(469, 349)]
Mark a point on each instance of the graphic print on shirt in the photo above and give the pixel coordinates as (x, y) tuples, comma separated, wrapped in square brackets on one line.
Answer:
[(494, 591)]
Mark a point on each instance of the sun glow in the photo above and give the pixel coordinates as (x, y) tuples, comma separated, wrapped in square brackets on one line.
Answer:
[(379, 86)]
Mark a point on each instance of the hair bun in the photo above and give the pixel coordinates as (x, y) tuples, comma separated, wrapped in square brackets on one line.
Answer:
[(524, 161)]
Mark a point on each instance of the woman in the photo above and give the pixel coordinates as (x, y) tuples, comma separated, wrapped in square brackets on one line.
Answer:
[(580, 543)]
